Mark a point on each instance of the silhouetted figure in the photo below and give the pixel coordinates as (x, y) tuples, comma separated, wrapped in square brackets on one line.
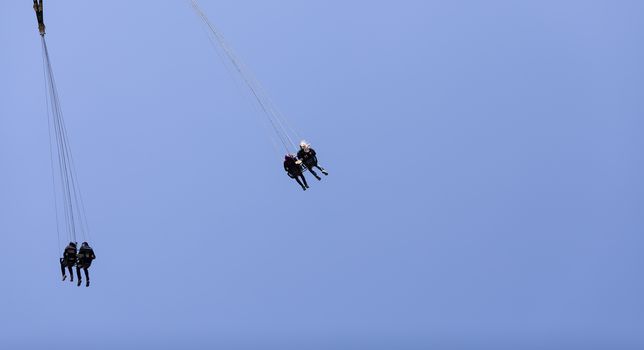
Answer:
[(309, 158), (85, 257), (68, 260), (293, 168)]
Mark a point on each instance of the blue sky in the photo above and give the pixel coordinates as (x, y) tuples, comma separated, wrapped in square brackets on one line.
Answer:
[(485, 190)]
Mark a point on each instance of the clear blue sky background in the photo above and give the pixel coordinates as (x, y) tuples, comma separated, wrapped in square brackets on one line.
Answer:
[(486, 186)]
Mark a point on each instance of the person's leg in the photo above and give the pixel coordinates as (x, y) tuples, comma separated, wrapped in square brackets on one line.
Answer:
[(86, 276), (78, 275), (322, 170), (304, 180), (297, 178), (62, 268), (313, 172), (71, 273)]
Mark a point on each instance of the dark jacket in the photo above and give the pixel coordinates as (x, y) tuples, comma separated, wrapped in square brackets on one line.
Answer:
[(291, 167), (69, 255), (308, 158), (86, 255)]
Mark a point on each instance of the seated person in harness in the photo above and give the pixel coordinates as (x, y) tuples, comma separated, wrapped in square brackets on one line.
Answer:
[(293, 168), (39, 16), (85, 257), (68, 260), (309, 158)]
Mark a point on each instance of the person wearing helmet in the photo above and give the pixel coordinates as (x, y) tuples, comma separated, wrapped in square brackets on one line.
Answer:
[(39, 16), (293, 168), (309, 158), (68, 260), (85, 257)]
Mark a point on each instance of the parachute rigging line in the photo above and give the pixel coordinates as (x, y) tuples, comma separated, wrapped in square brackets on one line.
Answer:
[(62, 160), (280, 126)]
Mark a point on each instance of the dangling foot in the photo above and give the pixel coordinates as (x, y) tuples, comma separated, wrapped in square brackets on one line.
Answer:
[(324, 172), (87, 283), (303, 188), (64, 277), (79, 282), (71, 279)]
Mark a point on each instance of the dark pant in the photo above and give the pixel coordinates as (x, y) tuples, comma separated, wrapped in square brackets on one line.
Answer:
[(310, 167), (66, 264), (297, 178), (85, 267)]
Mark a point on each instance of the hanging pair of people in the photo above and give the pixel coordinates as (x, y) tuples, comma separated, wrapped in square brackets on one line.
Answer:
[(306, 157), (82, 259)]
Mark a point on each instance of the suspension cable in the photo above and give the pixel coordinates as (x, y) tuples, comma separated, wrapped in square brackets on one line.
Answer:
[(284, 131), (62, 160)]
